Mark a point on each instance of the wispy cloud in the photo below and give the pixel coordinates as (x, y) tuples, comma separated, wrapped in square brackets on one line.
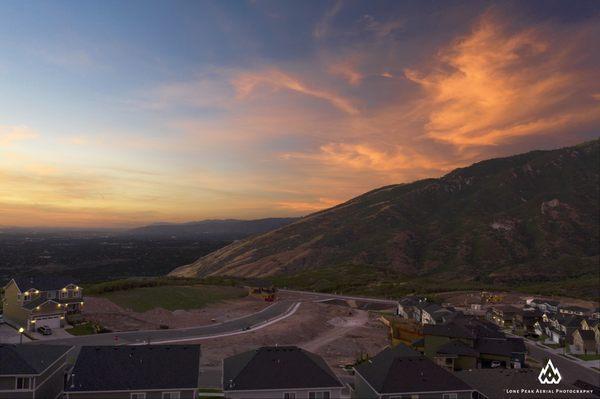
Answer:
[(496, 84), (12, 134)]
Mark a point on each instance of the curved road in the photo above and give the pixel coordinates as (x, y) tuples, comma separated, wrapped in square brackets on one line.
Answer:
[(273, 313)]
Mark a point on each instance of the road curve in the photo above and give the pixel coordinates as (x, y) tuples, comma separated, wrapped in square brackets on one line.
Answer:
[(273, 313)]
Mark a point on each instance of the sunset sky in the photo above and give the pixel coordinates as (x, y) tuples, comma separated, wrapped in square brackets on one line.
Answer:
[(122, 113)]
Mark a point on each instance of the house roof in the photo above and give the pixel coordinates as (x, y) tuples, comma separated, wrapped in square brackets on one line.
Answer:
[(30, 305), (401, 370), (112, 368), (462, 326), (29, 359), (456, 347), (42, 283), (451, 329), (277, 367), (587, 335), (500, 347), (493, 383)]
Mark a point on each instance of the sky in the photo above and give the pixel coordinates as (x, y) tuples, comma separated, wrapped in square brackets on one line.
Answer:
[(123, 113)]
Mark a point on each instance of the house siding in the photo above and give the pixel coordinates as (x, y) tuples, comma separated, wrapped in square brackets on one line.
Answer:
[(12, 307), (184, 394), (335, 393)]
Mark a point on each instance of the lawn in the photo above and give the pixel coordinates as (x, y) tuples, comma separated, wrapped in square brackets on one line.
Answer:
[(589, 356), (82, 329), (173, 297)]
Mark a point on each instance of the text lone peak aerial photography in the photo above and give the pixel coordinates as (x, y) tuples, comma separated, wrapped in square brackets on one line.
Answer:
[(299, 199)]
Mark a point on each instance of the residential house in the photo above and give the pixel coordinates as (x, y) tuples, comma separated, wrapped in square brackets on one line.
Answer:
[(32, 371), (544, 305), (32, 302), (503, 315), (573, 310), (135, 372), (401, 372), (584, 341), (526, 319), (286, 372), (522, 383), (567, 324), (596, 313), (466, 343), (407, 306)]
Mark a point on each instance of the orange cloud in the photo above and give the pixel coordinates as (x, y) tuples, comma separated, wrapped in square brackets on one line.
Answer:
[(246, 83), (493, 85)]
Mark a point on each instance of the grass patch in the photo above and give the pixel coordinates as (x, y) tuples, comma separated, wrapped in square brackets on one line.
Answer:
[(588, 357), (555, 346), (84, 329), (173, 297)]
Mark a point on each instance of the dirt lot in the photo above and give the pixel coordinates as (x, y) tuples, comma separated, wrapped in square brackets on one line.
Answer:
[(113, 317), (337, 333)]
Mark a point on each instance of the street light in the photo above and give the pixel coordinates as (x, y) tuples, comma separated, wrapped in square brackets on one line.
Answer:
[(21, 331)]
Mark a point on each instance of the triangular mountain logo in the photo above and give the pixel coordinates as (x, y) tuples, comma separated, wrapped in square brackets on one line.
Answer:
[(549, 374)]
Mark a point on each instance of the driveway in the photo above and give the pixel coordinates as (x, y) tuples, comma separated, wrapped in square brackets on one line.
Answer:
[(9, 335), (57, 333)]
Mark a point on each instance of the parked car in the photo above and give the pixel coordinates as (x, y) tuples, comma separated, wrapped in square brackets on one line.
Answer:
[(45, 330), (495, 364)]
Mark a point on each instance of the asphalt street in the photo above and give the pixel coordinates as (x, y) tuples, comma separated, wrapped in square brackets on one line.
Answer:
[(570, 370), (276, 310)]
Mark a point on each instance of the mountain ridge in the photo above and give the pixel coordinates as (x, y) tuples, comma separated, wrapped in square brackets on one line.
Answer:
[(521, 218)]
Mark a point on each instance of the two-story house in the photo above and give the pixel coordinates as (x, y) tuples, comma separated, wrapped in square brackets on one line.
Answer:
[(32, 371), (286, 372), (400, 372), (135, 372), (30, 302)]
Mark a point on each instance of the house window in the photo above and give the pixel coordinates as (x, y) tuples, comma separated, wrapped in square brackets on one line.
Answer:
[(24, 383), (63, 294), (170, 395), (449, 396), (137, 395), (289, 395), (51, 294), (318, 395)]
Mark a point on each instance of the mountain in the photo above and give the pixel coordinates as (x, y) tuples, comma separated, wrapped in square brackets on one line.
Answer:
[(525, 220), (228, 228)]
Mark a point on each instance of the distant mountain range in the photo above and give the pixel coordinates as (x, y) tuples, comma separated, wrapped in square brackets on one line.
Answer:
[(528, 220), (226, 228)]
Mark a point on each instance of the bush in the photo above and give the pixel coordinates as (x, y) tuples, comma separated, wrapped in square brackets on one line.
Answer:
[(163, 327)]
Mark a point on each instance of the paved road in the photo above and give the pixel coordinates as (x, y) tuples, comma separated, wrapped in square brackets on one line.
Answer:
[(275, 311), (323, 296), (569, 369)]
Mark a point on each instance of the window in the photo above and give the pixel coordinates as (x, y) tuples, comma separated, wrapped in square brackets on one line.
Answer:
[(170, 395), (449, 396), (51, 294), (63, 294), (138, 395), (318, 395), (289, 395), (24, 383)]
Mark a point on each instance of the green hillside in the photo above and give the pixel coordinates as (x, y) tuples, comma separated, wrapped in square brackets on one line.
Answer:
[(529, 220)]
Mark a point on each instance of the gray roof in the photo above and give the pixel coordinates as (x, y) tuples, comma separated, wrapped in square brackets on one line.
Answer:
[(500, 347), (112, 368), (42, 283), (277, 367), (401, 370), (456, 347), (34, 303), (493, 383), (29, 359)]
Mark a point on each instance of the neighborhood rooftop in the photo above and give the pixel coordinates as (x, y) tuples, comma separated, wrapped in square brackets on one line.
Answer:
[(42, 283), (279, 367), (113, 368), (402, 370), (26, 359)]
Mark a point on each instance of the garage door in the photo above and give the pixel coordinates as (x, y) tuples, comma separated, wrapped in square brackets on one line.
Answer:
[(51, 321)]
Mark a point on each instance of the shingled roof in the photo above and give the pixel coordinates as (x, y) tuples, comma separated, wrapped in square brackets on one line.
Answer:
[(29, 359), (42, 283), (279, 367), (401, 370), (456, 347), (117, 368)]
